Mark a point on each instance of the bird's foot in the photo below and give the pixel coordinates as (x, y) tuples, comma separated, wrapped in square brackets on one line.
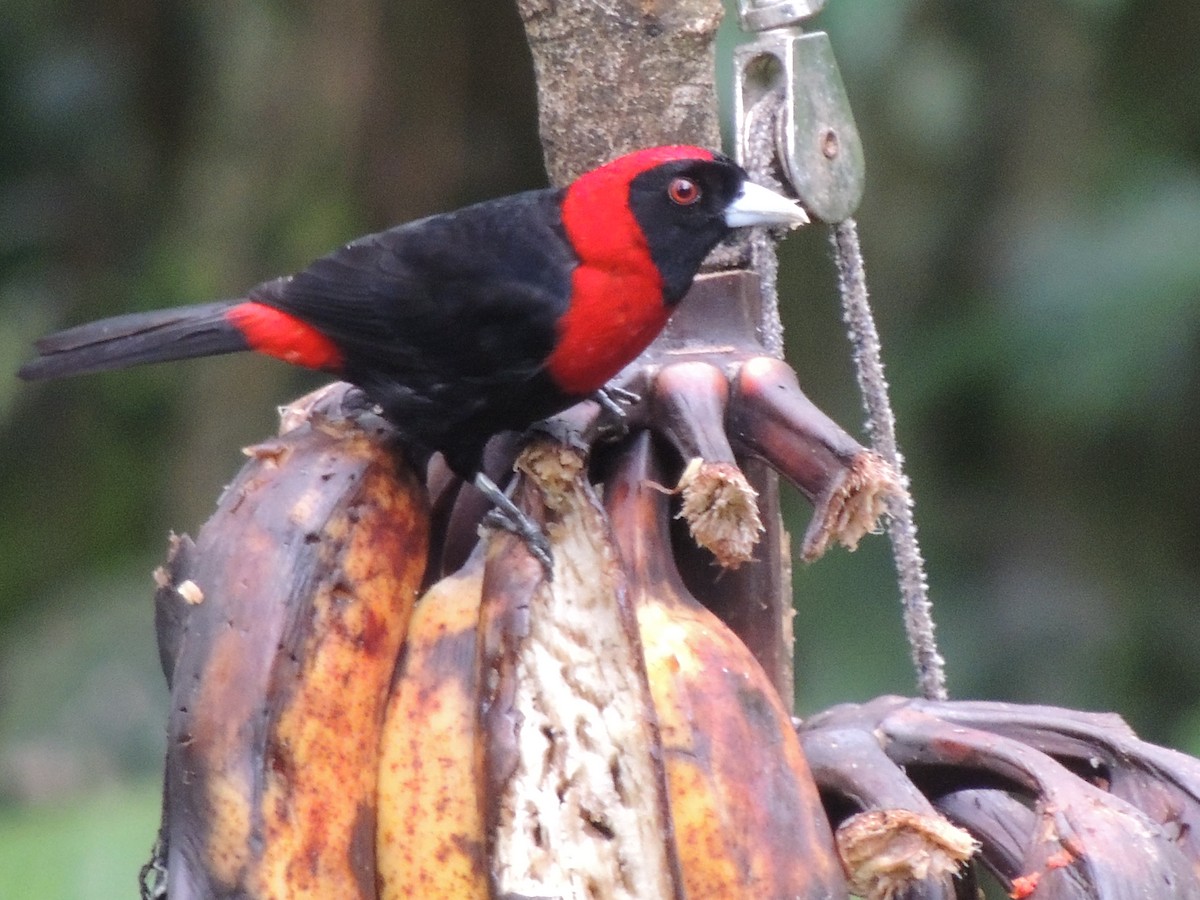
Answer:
[(507, 516), (613, 401), (611, 397)]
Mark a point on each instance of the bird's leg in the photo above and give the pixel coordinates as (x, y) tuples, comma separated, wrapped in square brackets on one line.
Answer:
[(506, 515)]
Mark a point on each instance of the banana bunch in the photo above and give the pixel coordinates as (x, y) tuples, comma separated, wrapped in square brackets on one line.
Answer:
[(593, 734)]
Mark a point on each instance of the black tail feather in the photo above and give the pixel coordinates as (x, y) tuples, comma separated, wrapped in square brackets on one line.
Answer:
[(136, 339)]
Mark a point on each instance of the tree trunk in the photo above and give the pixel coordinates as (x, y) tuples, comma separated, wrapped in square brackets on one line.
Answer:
[(616, 75)]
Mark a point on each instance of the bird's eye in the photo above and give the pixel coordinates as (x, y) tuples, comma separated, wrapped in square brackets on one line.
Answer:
[(683, 191)]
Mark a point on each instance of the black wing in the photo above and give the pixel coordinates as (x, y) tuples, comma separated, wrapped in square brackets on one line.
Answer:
[(465, 295), (446, 322)]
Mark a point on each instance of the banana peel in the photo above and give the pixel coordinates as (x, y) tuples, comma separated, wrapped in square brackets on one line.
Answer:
[(281, 627), (1011, 777)]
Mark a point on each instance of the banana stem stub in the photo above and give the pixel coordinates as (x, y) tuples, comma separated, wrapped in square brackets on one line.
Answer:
[(887, 851), (721, 510)]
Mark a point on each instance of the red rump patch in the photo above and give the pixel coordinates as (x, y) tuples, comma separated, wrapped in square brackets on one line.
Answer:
[(617, 306), (275, 333)]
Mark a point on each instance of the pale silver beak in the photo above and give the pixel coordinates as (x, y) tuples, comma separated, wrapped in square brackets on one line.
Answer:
[(756, 205)]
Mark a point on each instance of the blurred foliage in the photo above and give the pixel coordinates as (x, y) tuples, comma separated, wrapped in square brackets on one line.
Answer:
[(1032, 236), (88, 850)]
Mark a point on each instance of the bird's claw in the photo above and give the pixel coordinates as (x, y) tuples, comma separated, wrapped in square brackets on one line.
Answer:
[(611, 396), (613, 401), (506, 515)]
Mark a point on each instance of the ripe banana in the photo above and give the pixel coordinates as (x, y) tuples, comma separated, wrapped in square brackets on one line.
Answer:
[(431, 839), (597, 734), (747, 818), (290, 610)]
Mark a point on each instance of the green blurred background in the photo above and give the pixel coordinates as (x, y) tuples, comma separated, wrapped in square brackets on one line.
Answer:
[(1032, 235)]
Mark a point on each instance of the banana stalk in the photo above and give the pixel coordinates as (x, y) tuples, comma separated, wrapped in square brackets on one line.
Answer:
[(898, 845), (688, 402), (849, 486)]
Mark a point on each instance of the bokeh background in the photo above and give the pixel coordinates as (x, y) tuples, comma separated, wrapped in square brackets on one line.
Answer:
[(1032, 236)]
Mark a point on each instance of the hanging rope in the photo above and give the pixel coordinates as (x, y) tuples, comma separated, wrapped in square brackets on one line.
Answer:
[(761, 143), (762, 136), (881, 423)]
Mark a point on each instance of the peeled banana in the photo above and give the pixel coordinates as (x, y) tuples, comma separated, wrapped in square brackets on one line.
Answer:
[(575, 791)]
